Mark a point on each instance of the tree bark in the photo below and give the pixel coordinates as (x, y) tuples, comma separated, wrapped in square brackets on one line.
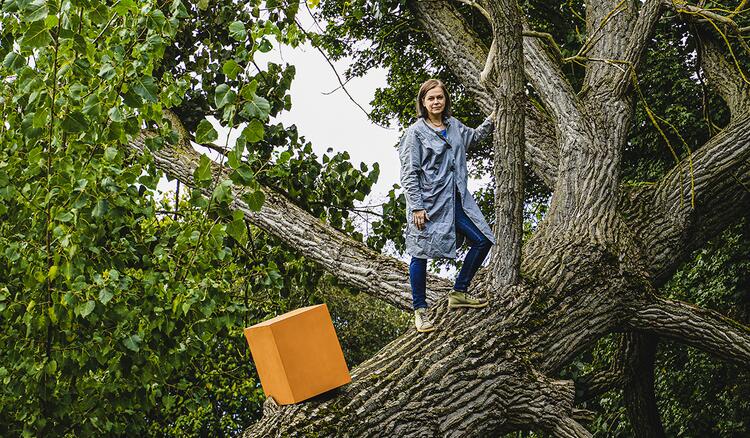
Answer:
[(505, 263), (638, 391)]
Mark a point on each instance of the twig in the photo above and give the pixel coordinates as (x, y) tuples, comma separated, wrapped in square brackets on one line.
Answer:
[(338, 77)]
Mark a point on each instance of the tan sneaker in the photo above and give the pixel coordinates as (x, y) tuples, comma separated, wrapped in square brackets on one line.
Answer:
[(422, 321), (458, 299)]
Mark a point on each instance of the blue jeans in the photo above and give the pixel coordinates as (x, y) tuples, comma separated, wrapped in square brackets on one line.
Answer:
[(480, 247)]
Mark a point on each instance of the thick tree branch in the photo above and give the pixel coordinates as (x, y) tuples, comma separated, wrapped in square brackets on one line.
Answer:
[(640, 35), (723, 77), (508, 141), (352, 262), (694, 202), (451, 383), (609, 25), (638, 389), (701, 328)]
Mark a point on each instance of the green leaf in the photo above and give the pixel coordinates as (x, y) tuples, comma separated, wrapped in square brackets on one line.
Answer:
[(248, 90), (105, 295), (36, 36), (64, 216), (132, 342), (254, 131), (13, 61), (35, 10), (232, 69), (257, 108), (254, 199), (223, 192), (92, 106), (146, 88), (237, 30), (85, 309), (265, 46), (115, 114), (107, 72), (224, 95), (110, 153), (51, 21), (132, 99), (238, 230), (100, 209), (74, 122), (203, 171), (242, 175), (205, 133)]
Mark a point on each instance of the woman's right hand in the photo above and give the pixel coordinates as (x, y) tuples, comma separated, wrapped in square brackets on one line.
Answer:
[(419, 217)]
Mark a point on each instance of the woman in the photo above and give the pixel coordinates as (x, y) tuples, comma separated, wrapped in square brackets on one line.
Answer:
[(440, 210)]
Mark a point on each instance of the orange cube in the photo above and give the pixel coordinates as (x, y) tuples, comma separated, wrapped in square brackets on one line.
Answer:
[(298, 355)]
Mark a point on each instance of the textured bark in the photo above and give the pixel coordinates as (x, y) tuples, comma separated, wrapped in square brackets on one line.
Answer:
[(702, 328), (638, 391), (722, 76), (591, 269), (508, 142)]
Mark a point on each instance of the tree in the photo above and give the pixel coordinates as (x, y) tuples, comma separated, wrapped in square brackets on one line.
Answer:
[(593, 267)]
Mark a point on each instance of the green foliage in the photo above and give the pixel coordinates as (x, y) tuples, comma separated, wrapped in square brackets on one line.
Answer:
[(121, 312)]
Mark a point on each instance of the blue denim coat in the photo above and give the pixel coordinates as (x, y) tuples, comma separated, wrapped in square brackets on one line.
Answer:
[(433, 168)]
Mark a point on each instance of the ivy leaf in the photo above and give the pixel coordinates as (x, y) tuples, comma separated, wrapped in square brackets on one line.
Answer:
[(91, 106), (254, 199), (224, 95), (74, 122), (36, 36), (146, 88), (64, 216), (205, 133), (115, 114), (203, 171), (132, 342), (100, 209), (254, 131), (265, 46), (107, 72), (248, 90), (237, 30)]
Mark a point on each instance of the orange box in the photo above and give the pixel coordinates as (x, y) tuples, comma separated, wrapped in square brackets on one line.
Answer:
[(298, 355)]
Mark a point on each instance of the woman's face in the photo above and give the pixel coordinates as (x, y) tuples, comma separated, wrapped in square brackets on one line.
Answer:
[(434, 101)]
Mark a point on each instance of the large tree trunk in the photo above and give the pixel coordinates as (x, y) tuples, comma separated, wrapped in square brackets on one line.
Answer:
[(591, 269)]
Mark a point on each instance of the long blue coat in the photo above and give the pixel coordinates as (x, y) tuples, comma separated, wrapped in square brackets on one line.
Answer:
[(433, 168)]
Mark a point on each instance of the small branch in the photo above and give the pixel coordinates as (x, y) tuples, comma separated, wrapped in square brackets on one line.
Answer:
[(701, 328), (338, 77)]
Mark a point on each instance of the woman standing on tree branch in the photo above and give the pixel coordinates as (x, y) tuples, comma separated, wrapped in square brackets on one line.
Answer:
[(440, 210)]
